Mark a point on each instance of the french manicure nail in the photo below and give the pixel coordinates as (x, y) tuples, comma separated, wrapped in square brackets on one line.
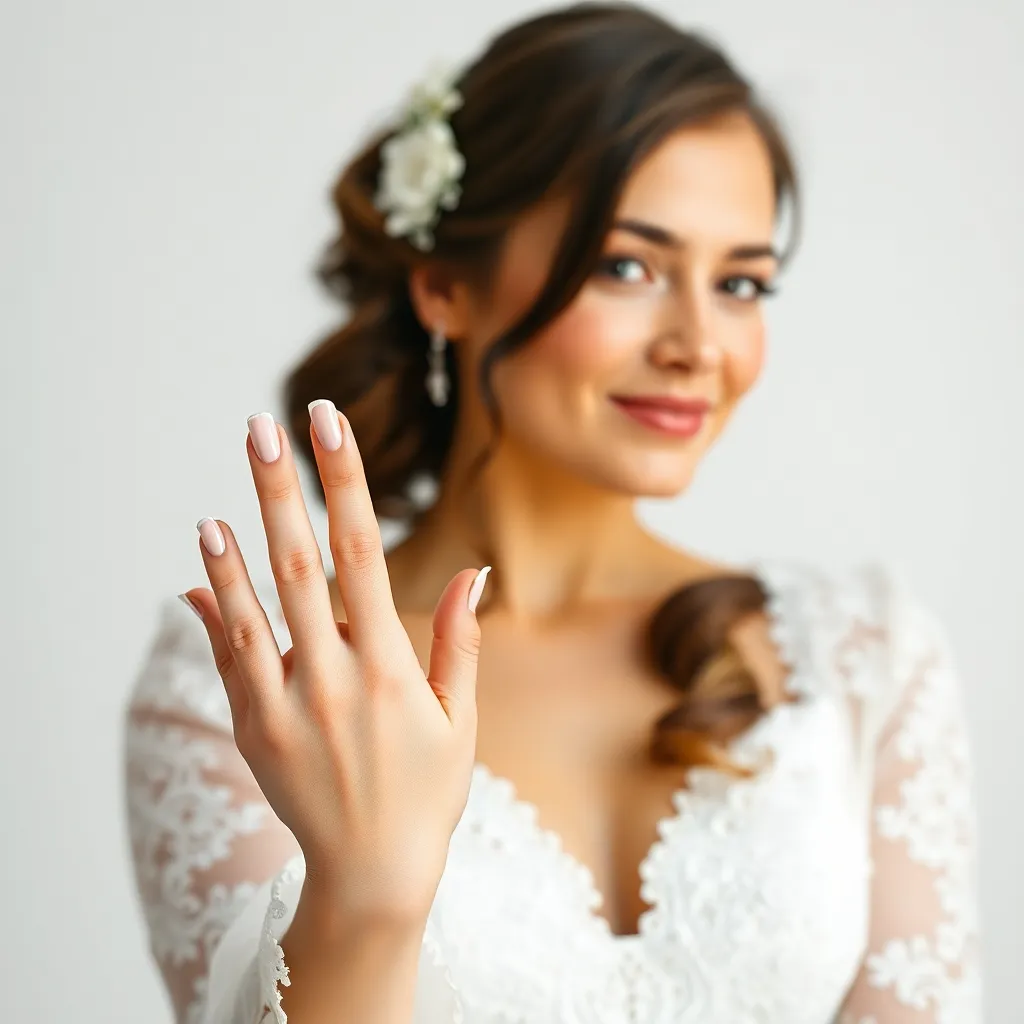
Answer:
[(188, 600), (324, 415), (478, 588), (213, 538), (263, 431)]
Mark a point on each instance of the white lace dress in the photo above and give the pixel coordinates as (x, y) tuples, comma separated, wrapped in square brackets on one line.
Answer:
[(837, 885)]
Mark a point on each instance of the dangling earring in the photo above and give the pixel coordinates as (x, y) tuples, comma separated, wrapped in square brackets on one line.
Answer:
[(437, 377)]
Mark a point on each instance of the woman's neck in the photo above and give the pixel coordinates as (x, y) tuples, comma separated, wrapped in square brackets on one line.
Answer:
[(559, 544)]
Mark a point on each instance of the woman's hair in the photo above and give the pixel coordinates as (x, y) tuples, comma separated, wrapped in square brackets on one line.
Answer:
[(566, 103)]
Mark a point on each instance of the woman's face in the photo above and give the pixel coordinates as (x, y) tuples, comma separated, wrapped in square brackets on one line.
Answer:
[(673, 311)]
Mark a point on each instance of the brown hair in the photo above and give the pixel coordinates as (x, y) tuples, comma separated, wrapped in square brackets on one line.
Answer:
[(568, 102)]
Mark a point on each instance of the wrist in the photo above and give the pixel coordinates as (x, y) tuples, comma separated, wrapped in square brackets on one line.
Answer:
[(330, 908), (349, 967)]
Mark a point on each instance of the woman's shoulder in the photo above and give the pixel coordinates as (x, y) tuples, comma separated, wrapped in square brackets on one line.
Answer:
[(861, 626), (876, 592)]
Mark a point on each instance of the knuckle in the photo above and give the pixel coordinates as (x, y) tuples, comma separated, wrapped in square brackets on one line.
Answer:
[(266, 732), (340, 473), (243, 634), (386, 686), (226, 580), (242, 735), (386, 677), (467, 645), (277, 488), (225, 662), (297, 566), (323, 708), (356, 549)]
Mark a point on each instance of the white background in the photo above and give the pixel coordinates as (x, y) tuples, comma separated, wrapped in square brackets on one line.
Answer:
[(163, 187)]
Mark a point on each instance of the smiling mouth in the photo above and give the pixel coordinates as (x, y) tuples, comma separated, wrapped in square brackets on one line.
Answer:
[(671, 418)]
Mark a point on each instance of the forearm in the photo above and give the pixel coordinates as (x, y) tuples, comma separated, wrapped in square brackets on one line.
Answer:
[(341, 972)]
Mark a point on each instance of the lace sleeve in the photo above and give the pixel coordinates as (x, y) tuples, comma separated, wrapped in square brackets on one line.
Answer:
[(203, 837), (217, 873), (923, 960)]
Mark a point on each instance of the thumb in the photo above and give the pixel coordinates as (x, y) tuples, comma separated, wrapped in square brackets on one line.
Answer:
[(455, 651)]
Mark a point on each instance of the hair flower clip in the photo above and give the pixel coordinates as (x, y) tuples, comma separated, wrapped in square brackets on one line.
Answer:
[(421, 164)]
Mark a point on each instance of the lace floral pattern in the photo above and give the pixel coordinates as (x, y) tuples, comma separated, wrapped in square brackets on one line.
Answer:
[(192, 807), (924, 813), (175, 836), (436, 995), (273, 971), (836, 885), (733, 911)]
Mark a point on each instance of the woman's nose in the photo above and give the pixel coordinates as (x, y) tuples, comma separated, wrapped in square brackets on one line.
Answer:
[(689, 347), (689, 339)]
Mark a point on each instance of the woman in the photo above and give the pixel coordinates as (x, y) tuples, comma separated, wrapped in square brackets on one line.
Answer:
[(741, 793)]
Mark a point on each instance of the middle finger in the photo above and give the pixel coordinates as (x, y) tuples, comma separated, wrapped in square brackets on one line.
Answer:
[(294, 553), (359, 563)]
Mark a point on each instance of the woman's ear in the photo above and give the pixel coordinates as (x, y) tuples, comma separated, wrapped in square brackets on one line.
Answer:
[(439, 298)]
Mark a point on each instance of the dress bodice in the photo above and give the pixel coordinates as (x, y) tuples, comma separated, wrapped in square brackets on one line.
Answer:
[(836, 883)]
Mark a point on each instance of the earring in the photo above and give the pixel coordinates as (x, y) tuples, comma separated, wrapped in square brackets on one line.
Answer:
[(437, 377)]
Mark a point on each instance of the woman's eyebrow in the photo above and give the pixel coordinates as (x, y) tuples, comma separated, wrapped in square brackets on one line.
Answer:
[(662, 236)]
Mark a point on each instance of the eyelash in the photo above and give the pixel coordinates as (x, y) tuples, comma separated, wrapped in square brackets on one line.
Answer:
[(763, 288)]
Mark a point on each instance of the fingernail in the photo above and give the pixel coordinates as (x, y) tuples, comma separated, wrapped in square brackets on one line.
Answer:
[(213, 538), (263, 431), (325, 422), (478, 588), (188, 600)]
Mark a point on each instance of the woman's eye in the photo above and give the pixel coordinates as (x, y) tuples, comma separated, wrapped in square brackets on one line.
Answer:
[(623, 268), (754, 290)]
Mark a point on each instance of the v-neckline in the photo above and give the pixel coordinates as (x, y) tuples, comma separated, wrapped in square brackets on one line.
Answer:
[(783, 617), (780, 625)]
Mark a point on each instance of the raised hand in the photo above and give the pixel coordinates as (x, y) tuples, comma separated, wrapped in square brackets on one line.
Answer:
[(367, 760)]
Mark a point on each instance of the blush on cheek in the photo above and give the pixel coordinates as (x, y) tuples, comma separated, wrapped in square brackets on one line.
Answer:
[(589, 340), (567, 344), (744, 363)]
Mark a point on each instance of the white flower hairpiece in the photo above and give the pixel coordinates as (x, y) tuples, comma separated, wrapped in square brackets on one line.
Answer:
[(421, 162)]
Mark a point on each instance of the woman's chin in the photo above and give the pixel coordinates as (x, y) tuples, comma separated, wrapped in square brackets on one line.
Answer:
[(664, 489), (640, 474), (664, 482)]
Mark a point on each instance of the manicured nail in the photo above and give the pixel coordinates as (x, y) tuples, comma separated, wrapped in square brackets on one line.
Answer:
[(263, 431), (188, 600), (325, 422), (213, 538), (478, 588)]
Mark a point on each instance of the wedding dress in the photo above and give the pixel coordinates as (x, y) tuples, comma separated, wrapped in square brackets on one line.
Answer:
[(836, 885)]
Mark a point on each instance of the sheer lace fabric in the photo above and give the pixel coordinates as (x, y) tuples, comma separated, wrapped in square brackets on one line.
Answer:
[(835, 886)]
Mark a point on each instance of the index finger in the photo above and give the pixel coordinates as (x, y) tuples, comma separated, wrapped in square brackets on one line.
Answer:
[(353, 531)]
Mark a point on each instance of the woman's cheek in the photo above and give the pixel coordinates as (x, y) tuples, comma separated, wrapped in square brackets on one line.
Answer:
[(744, 362), (589, 340)]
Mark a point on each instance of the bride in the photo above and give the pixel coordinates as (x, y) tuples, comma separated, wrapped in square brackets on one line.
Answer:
[(534, 763)]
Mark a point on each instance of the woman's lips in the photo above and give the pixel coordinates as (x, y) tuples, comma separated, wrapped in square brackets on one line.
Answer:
[(677, 419)]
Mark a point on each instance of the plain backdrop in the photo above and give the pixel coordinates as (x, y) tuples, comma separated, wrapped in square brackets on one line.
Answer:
[(163, 198)]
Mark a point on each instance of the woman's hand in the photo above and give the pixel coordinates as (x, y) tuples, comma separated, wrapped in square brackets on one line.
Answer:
[(366, 760)]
